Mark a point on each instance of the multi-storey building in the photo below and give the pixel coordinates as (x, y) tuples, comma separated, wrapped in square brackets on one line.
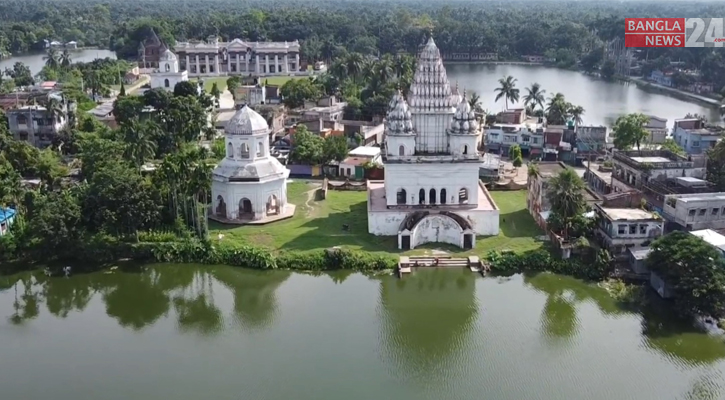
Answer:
[(237, 57), (529, 135), (591, 138), (697, 211), (150, 51), (38, 125), (622, 229), (633, 169), (657, 128), (694, 136)]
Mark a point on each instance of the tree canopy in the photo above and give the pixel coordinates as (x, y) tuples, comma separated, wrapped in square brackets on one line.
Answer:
[(629, 131), (694, 269)]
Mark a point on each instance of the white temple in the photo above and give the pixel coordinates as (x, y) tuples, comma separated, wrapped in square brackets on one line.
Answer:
[(249, 186), (431, 191), (168, 73)]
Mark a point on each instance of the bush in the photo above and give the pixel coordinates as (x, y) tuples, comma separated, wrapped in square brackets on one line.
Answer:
[(541, 260)]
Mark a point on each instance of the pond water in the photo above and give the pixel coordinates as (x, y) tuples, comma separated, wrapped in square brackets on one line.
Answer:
[(36, 61), (186, 332), (603, 101)]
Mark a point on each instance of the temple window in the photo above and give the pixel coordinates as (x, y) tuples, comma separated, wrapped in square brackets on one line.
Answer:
[(463, 196), (401, 196), (421, 196)]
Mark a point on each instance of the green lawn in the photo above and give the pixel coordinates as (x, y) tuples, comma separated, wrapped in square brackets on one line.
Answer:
[(280, 80), (317, 224), (221, 82)]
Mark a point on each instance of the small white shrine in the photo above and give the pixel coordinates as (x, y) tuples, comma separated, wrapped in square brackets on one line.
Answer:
[(431, 191), (249, 186), (168, 73)]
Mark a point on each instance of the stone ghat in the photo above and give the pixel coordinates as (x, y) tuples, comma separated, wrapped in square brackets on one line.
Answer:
[(406, 264)]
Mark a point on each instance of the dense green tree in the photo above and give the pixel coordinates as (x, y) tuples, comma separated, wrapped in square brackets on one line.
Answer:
[(21, 74), (334, 148), (139, 137), (694, 269), (307, 148), (54, 220), (120, 201), (97, 152), (186, 88), (215, 93), (629, 131), (295, 91), (672, 146), (716, 166)]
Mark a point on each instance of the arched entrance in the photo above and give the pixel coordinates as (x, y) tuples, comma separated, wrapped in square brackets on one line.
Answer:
[(272, 205), (421, 227), (221, 208), (245, 208)]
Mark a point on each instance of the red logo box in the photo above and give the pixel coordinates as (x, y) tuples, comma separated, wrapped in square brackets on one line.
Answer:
[(654, 32)]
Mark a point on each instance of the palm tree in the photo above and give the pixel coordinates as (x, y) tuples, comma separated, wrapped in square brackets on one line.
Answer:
[(507, 90), (65, 60), (139, 138), (474, 100), (339, 70), (556, 110), (565, 193), (354, 63), (576, 113), (51, 58), (55, 109), (535, 96), (404, 65)]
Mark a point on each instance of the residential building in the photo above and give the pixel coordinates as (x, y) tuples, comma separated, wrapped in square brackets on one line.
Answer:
[(431, 191), (327, 109), (661, 78), (697, 211), (694, 136), (36, 124), (352, 166), (251, 95), (7, 217), (638, 260), (472, 56), (591, 138), (104, 113), (621, 229), (657, 128), (529, 135), (599, 178), (238, 57), (712, 238), (633, 169), (533, 59), (537, 200)]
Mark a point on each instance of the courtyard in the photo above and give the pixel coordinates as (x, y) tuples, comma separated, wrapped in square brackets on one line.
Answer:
[(320, 224)]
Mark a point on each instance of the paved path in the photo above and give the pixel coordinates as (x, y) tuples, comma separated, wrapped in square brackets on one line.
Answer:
[(682, 92)]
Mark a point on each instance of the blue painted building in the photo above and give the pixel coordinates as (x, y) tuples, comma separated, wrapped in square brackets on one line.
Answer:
[(661, 78), (7, 216), (693, 136)]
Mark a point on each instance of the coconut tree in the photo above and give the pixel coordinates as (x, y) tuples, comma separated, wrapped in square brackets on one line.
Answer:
[(565, 192), (534, 96), (404, 65), (474, 100), (51, 58), (576, 113), (65, 59), (507, 90), (139, 137), (55, 109), (557, 109)]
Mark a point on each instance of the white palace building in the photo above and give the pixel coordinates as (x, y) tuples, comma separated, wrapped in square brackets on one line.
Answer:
[(238, 57), (431, 191)]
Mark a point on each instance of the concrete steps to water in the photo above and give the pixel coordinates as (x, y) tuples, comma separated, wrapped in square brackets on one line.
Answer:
[(406, 264)]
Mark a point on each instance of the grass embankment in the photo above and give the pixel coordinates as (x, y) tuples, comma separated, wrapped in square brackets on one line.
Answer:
[(221, 82), (318, 224)]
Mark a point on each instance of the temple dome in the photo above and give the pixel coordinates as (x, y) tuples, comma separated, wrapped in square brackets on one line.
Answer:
[(246, 122), (464, 119), (168, 55), (399, 120)]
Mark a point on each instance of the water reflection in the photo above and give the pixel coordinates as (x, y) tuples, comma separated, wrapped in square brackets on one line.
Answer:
[(426, 319), (138, 300), (255, 303)]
